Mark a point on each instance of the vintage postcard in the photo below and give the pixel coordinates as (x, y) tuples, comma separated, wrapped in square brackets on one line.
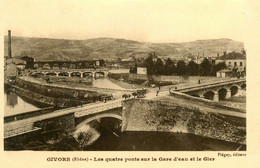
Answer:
[(129, 83)]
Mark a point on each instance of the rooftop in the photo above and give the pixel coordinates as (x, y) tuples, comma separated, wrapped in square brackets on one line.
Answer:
[(232, 55), (225, 70)]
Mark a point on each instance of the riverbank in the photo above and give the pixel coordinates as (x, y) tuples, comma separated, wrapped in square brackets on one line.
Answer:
[(146, 120), (165, 116), (55, 95), (161, 115)]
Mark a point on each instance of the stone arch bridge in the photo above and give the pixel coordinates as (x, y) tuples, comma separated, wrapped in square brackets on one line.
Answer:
[(82, 73), (215, 91), (65, 121), (68, 64)]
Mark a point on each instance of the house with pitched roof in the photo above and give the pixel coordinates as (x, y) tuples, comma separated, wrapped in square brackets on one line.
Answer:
[(233, 60)]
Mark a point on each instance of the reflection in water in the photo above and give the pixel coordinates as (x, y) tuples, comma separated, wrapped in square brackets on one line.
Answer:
[(111, 139), (11, 99), (14, 104), (159, 141)]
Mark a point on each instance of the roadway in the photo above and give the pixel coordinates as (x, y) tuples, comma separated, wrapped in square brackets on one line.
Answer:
[(26, 125), (165, 96)]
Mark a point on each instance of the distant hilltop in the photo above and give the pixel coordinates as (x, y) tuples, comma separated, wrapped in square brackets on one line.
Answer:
[(111, 49)]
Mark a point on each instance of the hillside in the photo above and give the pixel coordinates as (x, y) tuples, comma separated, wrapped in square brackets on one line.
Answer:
[(45, 49)]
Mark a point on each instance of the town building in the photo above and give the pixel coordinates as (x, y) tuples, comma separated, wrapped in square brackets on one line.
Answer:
[(224, 73), (141, 70), (13, 66), (10, 70), (15, 61), (29, 61), (233, 60)]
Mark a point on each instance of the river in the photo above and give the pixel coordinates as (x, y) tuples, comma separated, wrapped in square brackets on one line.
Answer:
[(159, 141), (14, 104), (130, 140)]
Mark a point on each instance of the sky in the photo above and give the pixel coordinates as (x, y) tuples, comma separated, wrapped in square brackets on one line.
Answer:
[(140, 20)]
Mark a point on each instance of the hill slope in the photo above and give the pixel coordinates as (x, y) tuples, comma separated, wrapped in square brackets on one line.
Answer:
[(45, 49)]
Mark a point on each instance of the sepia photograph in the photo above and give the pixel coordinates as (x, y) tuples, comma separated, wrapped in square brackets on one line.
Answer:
[(123, 94), (118, 94), (133, 82)]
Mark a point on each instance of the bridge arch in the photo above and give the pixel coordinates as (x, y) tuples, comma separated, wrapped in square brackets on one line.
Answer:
[(34, 74), (87, 74), (75, 74), (243, 86), (108, 115), (222, 93), (63, 74), (51, 74), (209, 95), (234, 89), (100, 74)]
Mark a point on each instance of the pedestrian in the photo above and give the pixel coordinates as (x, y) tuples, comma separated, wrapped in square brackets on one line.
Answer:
[(157, 93), (199, 81)]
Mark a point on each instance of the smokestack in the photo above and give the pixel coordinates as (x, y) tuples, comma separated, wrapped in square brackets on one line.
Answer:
[(9, 45)]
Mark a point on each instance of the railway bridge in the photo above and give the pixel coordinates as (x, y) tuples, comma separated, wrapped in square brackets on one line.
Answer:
[(81, 73), (214, 91), (68, 64)]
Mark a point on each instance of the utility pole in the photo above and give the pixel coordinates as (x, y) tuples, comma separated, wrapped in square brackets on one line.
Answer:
[(9, 45)]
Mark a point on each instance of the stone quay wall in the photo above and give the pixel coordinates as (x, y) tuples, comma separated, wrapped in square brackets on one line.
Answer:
[(166, 79), (68, 80), (148, 115), (54, 95)]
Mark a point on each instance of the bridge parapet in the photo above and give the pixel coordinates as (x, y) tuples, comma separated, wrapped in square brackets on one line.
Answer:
[(93, 110), (14, 129), (69, 72), (210, 85)]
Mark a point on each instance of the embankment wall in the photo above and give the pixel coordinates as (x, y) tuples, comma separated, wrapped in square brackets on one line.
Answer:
[(148, 115), (53, 95), (164, 79)]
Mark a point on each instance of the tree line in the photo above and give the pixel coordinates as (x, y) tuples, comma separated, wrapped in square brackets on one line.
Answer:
[(205, 68)]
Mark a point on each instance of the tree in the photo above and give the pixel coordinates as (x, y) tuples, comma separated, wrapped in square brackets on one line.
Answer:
[(218, 67), (181, 68), (205, 67), (159, 67), (193, 68), (102, 62), (243, 51), (149, 64), (169, 67)]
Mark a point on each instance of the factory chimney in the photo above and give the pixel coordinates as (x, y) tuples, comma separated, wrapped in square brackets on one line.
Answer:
[(9, 45)]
